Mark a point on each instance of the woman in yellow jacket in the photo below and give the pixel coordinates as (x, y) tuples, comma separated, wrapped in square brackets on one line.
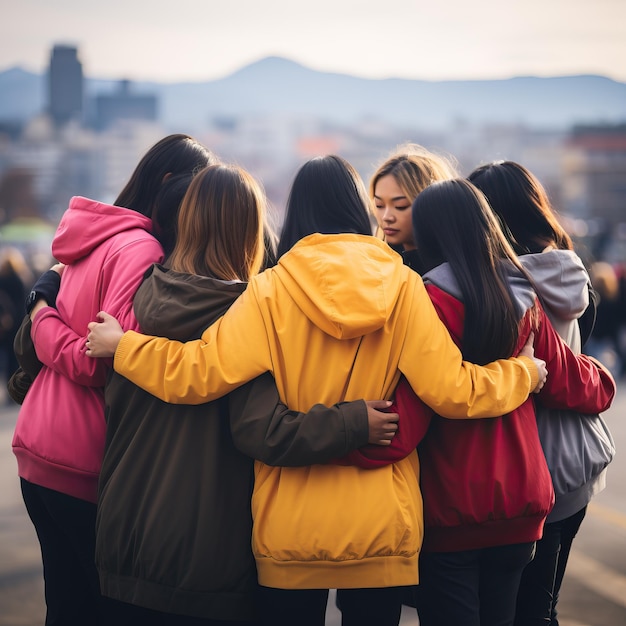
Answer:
[(338, 318)]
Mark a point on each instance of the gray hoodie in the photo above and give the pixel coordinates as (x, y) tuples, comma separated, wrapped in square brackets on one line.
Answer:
[(578, 448)]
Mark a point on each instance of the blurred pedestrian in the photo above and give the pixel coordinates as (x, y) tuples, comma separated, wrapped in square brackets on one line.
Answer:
[(15, 279), (607, 338)]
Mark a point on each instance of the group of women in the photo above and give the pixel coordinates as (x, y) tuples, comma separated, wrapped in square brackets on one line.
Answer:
[(242, 458)]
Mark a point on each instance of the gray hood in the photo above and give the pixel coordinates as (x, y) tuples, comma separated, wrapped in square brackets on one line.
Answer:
[(524, 295), (561, 281), (563, 286)]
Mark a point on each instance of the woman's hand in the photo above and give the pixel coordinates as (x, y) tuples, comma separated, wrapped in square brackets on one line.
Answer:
[(383, 426), (529, 351), (40, 304), (103, 336)]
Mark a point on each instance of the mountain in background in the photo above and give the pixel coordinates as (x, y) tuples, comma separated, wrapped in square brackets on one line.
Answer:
[(276, 86)]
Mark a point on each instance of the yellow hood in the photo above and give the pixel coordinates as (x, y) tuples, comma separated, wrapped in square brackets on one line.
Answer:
[(314, 274)]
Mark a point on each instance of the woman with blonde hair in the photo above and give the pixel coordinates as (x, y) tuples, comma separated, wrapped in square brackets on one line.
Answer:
[(394, 186)]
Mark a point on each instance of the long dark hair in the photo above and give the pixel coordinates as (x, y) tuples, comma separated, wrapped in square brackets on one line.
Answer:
[(452, 222), (166, 206), (523, 206), (173, 155), (327, 196)]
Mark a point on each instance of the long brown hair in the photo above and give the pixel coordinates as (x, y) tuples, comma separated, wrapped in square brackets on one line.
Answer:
[(220, 225)]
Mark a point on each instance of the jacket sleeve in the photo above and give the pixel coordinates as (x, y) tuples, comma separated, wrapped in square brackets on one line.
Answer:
[(265, 429), (454, 388), (62, 349), (414, 421), (205, 369), (576, 382), (122, 273)]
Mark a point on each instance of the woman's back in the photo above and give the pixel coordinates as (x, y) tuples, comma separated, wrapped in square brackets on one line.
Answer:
[(178, 458), (484, 482), (66, 398)]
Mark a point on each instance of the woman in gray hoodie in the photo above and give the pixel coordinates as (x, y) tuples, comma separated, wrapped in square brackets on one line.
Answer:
[(578, 448)]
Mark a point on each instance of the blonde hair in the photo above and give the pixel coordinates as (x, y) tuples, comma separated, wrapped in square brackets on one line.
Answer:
[(414, 168), (220, 225)]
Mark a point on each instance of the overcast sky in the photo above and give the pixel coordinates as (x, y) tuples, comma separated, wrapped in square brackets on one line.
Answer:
[(197, 40)]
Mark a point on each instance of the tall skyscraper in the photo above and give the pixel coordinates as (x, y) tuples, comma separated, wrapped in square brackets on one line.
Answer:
[(65, 85)]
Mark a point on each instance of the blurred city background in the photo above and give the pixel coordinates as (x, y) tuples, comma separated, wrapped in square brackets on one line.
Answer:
[(63, 133)]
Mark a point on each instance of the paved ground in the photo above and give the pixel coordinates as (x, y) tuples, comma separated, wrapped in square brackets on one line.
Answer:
[(594, 592)]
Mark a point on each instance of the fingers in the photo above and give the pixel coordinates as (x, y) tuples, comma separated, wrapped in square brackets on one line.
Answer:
[(104, 316), (379, 405), (539, 386), (392, 428), (389, 432)]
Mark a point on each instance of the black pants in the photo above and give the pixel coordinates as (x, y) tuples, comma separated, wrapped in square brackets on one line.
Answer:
[(472, 587), (307, 607), (541, 580), (66, 531)]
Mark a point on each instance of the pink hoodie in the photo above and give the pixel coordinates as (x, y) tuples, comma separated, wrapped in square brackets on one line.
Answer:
[(60, 431)]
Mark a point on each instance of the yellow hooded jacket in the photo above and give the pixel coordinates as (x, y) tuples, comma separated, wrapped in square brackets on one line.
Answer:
[(337, 319)]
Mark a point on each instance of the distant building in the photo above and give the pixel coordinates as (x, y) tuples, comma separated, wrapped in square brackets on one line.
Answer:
[(65, 85), (595, 173), (124, 105)]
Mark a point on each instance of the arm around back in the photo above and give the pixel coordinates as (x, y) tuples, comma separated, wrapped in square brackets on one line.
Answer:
[(576, 382), (232, 351), (266, 430), (453, 388)]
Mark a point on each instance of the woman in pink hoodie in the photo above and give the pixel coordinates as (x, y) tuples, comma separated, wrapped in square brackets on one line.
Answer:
[(60, 432)]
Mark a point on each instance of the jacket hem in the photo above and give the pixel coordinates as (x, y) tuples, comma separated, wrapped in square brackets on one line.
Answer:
[(487, 535), (374, 572), (68, 480), (569, 503), (212, 605)]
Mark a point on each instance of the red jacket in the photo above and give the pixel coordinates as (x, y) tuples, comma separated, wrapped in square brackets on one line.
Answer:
[(485, 482)]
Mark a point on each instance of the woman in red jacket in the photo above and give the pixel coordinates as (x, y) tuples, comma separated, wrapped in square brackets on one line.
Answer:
[(485, 483)]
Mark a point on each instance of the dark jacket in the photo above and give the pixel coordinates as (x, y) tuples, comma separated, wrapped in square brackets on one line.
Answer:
[(173, 530)]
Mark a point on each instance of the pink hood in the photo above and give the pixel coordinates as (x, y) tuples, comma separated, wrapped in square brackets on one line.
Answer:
[(87, 223)]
